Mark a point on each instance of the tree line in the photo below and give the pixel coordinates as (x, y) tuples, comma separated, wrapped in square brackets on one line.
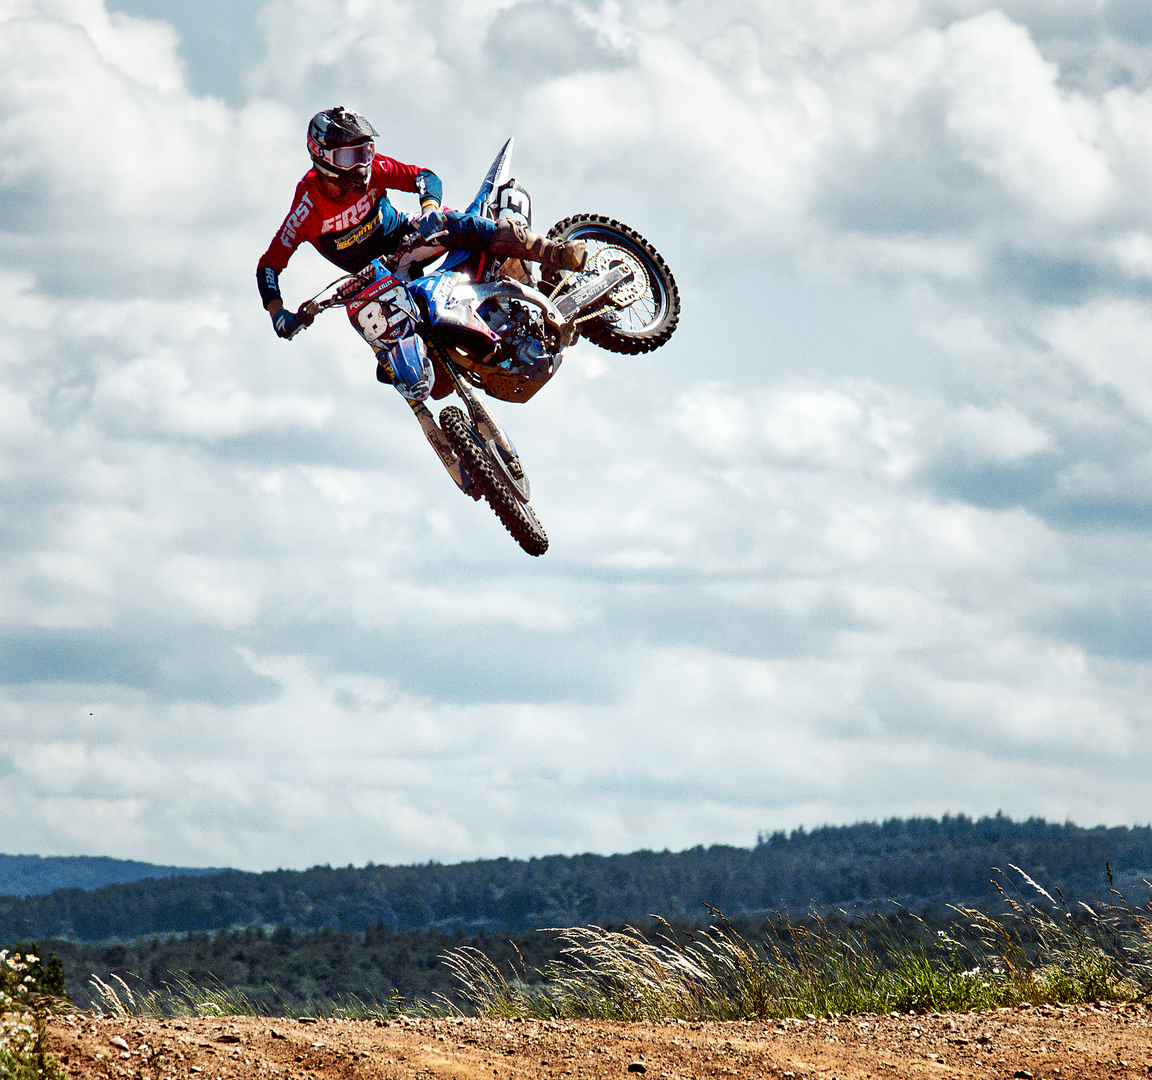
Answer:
[(280, 971), (919, 862)]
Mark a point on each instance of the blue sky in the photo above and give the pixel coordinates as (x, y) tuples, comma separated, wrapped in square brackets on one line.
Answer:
[(869, 537)]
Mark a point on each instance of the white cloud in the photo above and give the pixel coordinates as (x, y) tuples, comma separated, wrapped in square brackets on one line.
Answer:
[(245, 618), (1013, 123), (1110, 341), (1001, 435)]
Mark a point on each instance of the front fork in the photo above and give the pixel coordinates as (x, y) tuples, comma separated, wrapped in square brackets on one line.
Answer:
[(435, 436), (499, 445)]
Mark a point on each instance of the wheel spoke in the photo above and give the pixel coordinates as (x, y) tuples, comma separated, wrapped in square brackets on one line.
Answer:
[(650, 319)]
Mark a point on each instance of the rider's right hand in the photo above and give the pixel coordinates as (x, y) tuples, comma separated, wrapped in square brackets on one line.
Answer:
[(285, 323)]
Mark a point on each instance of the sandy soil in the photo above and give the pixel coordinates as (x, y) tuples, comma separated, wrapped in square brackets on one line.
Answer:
[(1073, 1042)]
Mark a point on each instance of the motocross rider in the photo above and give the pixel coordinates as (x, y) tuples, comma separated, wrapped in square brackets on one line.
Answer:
[(341, 207)]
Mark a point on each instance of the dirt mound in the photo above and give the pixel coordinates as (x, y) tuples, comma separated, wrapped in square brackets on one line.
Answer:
[(1050, 1043)]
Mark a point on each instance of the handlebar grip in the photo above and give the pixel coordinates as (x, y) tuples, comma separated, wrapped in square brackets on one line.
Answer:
[(306, 313)]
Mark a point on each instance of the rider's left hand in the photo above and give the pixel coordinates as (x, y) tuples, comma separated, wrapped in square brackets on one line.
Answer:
[(431, 221)]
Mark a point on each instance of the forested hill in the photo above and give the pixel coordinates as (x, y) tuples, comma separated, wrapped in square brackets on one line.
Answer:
[(33, 875), (921, 862)]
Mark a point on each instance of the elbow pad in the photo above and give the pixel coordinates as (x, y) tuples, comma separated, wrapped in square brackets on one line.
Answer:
[(429, 188)]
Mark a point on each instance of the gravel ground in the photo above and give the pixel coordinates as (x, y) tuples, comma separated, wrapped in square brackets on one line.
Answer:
[(1050, 1043)]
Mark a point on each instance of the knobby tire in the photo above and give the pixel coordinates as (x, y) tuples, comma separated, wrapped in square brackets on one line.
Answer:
[(605, 332), (514, 515)]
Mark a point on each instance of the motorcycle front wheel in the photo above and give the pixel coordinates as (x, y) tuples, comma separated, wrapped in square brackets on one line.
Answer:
[(642, 313), (516, 516)]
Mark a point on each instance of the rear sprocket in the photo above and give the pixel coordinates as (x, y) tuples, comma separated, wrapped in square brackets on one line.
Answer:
[(641, 314)]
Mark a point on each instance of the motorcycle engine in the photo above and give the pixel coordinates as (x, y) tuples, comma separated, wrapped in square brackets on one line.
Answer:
[(522, 333)]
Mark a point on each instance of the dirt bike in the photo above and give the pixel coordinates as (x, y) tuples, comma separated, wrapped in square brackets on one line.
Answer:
[(476, 322)]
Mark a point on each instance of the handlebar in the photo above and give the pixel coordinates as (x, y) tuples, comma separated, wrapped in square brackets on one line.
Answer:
[(339, 292), (343, 289)]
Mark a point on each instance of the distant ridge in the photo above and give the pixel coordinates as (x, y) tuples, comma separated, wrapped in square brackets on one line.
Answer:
[(920, 862), (35, 875)]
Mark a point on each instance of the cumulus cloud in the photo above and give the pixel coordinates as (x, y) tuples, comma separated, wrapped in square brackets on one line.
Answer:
[(246, 619)]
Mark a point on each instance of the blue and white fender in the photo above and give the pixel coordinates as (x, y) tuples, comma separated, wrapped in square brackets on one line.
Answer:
[(412, 372)]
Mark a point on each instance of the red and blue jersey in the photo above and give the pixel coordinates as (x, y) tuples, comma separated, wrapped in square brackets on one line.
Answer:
[(349, 231)]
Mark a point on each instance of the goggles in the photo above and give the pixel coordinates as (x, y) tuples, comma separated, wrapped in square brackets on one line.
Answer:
[(346, 157)]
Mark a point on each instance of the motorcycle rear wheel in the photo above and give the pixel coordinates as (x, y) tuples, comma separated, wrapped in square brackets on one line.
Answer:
[(516, 516), (648, 321)]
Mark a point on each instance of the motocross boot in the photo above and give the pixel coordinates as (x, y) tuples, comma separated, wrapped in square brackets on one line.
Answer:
[(514, 241)]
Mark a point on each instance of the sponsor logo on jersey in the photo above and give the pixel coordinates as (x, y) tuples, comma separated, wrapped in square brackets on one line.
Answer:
[(353, 215), (295, 220), (358, 236)]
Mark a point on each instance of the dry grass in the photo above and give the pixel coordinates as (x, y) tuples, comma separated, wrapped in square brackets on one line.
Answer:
[(1038, 950), (183, 997)]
